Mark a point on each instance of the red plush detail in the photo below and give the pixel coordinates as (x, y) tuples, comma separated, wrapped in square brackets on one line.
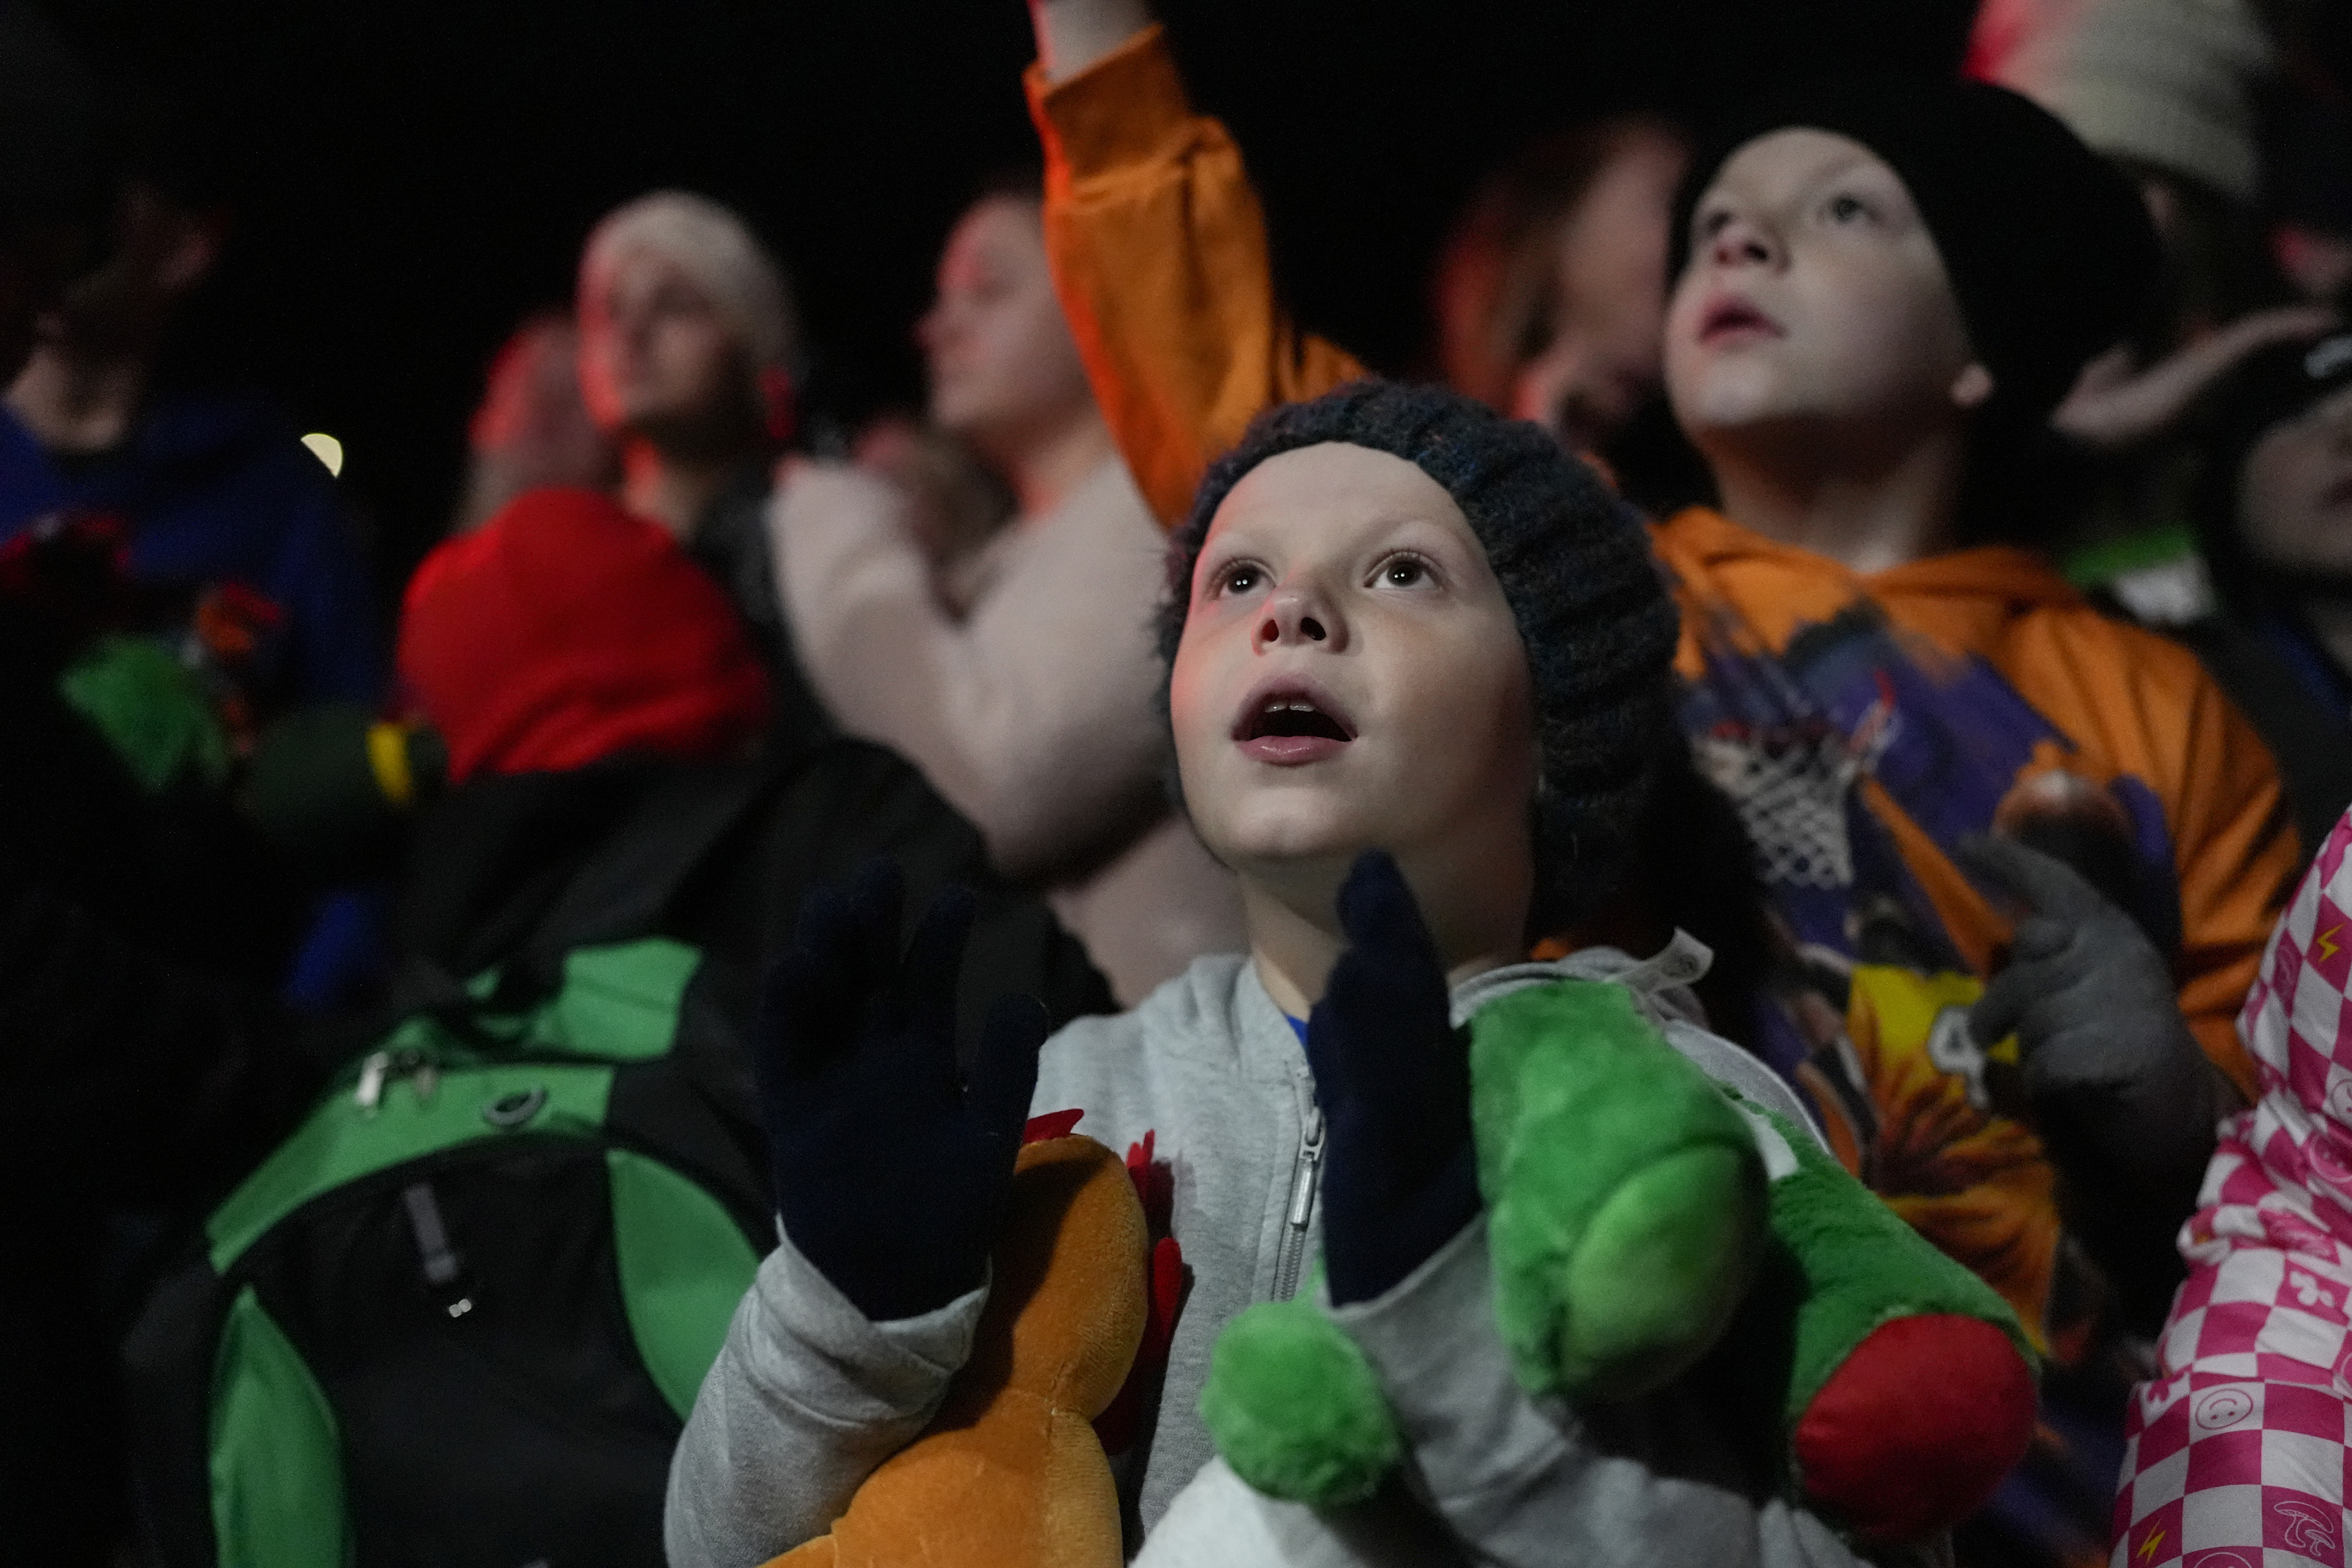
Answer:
[(1118, 1424), (1155, 1184), (1164, 1296), (1913, 1432), (1052, 1125)]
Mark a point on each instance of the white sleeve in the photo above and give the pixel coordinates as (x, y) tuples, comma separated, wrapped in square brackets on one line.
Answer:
[(1516, 1483), (1217, 1521), (1034, 715), (1524, 1483), (807, 1397)]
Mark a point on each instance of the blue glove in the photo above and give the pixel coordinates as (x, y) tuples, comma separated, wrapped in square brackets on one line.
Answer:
[(1394, 1078), (891, 1168)]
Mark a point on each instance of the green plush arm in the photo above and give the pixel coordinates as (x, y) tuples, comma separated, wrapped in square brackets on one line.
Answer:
[(1626, 1210), (1631, 1230), (1625, 1197), (1295, 1409), (1903, 1385)]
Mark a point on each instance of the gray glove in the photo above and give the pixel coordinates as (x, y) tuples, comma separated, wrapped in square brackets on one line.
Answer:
[(2109, 1063)]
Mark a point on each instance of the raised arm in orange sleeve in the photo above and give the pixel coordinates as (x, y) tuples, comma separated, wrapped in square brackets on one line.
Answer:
[(1158, 251)]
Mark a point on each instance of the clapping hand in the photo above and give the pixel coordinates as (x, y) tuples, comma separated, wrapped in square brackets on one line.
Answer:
[(891, 1167), (1394, 1078)]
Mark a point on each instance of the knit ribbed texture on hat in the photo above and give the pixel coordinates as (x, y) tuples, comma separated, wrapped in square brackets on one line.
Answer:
[(1575, 567)]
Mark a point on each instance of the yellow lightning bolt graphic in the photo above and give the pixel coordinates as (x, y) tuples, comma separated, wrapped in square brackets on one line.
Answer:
[(2147, 1548), (2326, 942)]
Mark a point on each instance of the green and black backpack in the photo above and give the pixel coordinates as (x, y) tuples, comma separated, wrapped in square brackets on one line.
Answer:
[(459, 1316)]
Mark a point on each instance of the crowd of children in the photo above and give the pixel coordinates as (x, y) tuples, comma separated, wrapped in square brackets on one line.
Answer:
[(1686, 949)]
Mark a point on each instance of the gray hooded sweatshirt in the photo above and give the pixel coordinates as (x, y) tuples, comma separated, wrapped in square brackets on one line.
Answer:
[(808, 1396)]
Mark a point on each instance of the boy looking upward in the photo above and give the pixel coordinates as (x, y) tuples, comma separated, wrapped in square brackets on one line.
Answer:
[(1399, 623), (1879, 296)]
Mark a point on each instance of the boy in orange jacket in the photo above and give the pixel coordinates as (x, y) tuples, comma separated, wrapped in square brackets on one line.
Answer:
[(1956, 771)]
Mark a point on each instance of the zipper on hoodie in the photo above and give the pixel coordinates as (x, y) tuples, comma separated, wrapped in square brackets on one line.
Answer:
[(1291, 1260)]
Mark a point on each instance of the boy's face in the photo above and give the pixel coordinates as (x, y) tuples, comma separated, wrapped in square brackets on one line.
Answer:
[(1814, 298), (1350, 677)]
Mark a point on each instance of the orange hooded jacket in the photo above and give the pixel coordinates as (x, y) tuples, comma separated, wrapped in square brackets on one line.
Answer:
[(1159, 254)]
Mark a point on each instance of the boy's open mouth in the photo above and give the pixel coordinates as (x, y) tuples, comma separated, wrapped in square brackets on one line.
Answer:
[(1731, 319), (1289, 723), (1293, 716)]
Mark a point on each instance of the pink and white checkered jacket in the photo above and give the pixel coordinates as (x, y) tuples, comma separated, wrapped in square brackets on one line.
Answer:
[(2241, 1449)]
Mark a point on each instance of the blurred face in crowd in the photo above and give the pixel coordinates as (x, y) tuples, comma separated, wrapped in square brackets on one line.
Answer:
[(532, 427), (1814, 312), (658, 360), (1004, 369), (161, 251), (1609, 295), (1350, 677), (2295, 492)]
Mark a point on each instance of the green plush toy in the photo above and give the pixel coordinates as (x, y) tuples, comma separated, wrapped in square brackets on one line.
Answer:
[(1633, 1225), (151, 709)]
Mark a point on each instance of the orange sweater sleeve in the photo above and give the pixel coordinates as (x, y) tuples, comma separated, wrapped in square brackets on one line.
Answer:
[(1159, 250)]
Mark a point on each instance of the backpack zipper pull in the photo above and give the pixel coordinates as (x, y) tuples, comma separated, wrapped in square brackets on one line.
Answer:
[(383, 1068), (370, 1092), (443, 1267)]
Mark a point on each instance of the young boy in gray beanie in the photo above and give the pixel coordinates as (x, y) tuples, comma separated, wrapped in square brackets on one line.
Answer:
[(1397, 623), (1882, 290)]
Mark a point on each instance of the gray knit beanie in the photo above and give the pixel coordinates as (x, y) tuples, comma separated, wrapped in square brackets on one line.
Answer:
[(1575, 568)]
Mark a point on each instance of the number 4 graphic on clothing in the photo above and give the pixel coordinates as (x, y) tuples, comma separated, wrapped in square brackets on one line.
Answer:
[(1954, 1050)]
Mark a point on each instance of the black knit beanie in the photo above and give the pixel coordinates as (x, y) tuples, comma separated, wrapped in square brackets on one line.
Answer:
[(1575, 568), (2049, 251)]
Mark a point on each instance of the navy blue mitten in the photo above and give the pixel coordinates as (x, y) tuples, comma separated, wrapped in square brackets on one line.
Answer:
[(1394, 1078), (891, 1167)]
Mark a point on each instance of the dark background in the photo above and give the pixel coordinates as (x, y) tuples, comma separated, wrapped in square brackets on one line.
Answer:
[(412, 176)]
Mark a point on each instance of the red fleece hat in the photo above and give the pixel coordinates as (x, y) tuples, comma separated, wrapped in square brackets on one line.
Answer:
[(564, 631)]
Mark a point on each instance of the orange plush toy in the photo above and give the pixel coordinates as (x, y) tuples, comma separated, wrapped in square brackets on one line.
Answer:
[(1011, 1470)]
